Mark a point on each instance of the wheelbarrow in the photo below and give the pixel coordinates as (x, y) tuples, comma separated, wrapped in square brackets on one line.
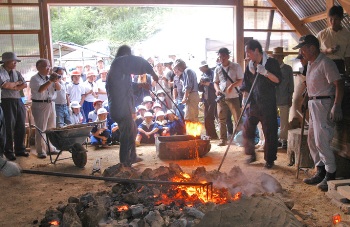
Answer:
[(70, 139)]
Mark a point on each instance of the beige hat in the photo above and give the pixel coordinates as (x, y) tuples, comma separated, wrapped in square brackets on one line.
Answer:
[(278, 51)]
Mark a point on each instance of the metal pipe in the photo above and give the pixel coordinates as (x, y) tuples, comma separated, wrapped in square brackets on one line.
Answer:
[(114, 179)]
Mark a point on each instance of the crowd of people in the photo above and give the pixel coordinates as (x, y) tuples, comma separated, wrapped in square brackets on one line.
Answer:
[(138, 99)]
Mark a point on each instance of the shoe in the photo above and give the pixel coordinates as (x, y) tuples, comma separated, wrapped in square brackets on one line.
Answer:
[(115, 143), (23, 154), (10, 156), (318, 177), (222, 143), (323, 185), (42, 156), (269, 165), (252, 158)]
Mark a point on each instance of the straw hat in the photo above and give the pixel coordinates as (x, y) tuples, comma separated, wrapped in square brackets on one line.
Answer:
[(278, 51)]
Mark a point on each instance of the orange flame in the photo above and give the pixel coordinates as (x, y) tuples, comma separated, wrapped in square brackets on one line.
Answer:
[(336, 219), (191, 195), (193, 128), (122, 208), (55, 223)]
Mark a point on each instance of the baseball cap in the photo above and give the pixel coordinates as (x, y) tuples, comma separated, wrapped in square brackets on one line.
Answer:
[(307, 40)]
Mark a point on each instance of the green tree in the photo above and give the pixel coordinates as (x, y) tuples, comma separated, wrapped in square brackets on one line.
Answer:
[(118, 25)]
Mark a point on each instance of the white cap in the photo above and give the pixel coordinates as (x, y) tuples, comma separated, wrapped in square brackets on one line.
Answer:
[(170, 112), (75, 104), (141, 107), (101, 111), (159, 113), (156, 105), (147, 99), (160, 92), (148, 114)]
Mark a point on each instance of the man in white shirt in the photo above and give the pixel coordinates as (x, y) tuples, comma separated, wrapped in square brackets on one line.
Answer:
[(43, 86)]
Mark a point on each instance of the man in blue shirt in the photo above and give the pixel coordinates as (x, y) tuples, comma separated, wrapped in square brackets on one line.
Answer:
[(119, 87), (190, 89)]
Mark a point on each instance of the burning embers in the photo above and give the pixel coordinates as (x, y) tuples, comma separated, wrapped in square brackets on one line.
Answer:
[(182, 198)]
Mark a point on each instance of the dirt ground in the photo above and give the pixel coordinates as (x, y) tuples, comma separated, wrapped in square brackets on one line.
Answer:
[(25, 199)]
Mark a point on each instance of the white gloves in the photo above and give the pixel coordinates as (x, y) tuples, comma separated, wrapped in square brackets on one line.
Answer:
[(336, 113), (261, 70), (10, 169), (251, 67)]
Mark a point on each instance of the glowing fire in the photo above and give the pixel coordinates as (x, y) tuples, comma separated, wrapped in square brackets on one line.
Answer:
[(190, 195), (55, 223), (122, 208), (193, 128), (336, 219)]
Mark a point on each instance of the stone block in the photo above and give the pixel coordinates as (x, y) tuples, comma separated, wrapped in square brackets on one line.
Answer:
[(294, 149)]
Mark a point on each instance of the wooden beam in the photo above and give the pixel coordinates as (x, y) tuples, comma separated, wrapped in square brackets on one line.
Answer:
[(346, 5), (268, 30), (144, 2), (19, 32), (290, 18), (259, 7), (329, 4), (239, 19), (313, 18)]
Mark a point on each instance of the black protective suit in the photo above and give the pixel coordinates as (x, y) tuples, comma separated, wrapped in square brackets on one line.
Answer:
[(262, 108), (119, 87)]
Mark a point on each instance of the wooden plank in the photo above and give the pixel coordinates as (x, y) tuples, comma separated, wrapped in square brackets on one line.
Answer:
[(268, 30), (315, 17), (344, 191), (144, 2), (239, 44), (290, 17), (334, 184)]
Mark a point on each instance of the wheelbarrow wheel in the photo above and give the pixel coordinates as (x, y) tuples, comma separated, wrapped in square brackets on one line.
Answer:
[(79, 155)]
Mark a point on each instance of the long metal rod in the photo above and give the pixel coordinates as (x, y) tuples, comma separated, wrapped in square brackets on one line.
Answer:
[(239, 120), (301, 143), (114, 179)]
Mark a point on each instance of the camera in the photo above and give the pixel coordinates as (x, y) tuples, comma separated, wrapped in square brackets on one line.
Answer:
[(220, 98)]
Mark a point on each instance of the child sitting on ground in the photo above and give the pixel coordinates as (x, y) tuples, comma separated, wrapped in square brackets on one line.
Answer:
[(100, 134), (146, 130), (115, 134), (175, 126), (161, 124), (76, 116)]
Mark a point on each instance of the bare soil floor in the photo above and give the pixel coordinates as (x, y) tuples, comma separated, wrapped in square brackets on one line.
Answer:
[(25, 199)]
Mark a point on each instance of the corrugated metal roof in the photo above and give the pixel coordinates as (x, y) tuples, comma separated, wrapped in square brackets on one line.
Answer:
[(308, 8)]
